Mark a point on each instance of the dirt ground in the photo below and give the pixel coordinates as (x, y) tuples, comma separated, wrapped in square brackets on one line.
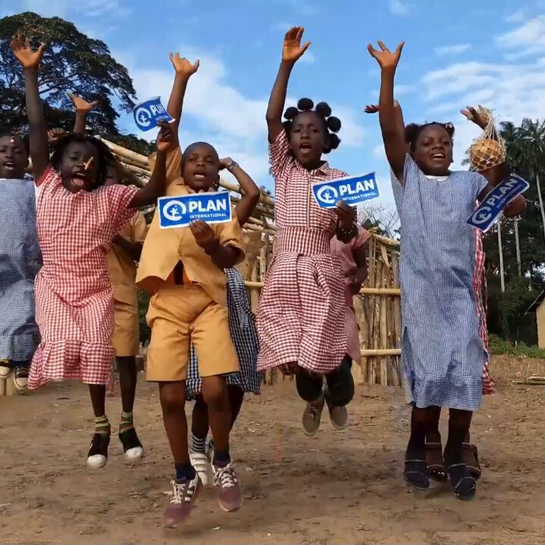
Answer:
[(337, 487)]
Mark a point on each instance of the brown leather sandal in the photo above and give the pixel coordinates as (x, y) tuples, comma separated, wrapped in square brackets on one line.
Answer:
[(436, 464), (471, 458)]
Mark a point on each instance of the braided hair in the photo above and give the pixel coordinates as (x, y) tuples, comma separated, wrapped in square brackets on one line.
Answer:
[(413, 132), (104, 156), (332, 124)]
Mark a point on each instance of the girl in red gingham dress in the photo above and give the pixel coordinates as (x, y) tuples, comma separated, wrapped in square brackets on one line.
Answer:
[(301, 310), (77, 218)]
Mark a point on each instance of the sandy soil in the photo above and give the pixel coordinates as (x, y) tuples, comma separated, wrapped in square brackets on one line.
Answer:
[(333, 488)]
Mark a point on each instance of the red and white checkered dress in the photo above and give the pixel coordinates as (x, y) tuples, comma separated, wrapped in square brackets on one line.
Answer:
[(301, 308), (74, 297), (479, 283)]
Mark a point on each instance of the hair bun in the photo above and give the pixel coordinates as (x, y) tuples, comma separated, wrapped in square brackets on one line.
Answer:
[(334, 141), (334, 124), (305, 104), (291, 113), (323, 109)]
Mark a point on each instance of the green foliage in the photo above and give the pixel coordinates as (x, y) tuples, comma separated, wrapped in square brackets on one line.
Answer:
[(72, 63), (500, 347)]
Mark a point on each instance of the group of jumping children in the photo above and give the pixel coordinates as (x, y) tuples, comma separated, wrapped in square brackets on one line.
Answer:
[(77, 248)]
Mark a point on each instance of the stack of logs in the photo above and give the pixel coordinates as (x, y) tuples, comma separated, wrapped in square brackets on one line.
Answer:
[(377, 306)]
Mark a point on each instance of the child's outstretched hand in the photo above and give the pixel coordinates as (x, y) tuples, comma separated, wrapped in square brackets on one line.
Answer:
[(204, 236), (55, 134), (386, 59), (182, 66), (165, 138), (80, 104), (292, 50), (23, 52), (346, 214), (374, 108), (475, 115)]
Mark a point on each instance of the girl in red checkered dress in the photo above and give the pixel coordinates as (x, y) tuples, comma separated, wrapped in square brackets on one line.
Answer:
[(301, 311), (77, 218)]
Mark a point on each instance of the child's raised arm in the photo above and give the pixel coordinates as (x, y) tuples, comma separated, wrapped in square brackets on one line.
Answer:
[(184, 70), (82, 109), (400, 122), (250, 191), (30, 61), (292, 51), (497, 174), (155, 188), (394, 143)]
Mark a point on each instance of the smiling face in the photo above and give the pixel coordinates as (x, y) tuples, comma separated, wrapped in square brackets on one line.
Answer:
[(201, 166), (308, 138), (433, 151), (78, 166), (13, 157)]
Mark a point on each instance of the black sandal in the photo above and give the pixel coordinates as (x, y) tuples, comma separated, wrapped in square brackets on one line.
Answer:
[(471, 458), (436, 464), (416, 472), (463, 484)]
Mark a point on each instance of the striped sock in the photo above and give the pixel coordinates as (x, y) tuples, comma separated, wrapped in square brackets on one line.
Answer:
[(102, 426), (198, 444), (126, 422)]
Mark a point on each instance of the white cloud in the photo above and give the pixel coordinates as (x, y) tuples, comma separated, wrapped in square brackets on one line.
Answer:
[(398, 7), (527, 39), (219, 113), (308, 58), (515, 17), (90, 8), (513, 90), (451, 49), (378, 152)]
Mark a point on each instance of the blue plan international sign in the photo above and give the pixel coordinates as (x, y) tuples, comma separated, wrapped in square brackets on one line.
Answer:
[(181, 211), (490, 209), (353, 190), (149, 113)]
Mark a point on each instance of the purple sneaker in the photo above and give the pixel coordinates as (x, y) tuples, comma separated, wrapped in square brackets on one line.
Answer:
[(228, 490), (184, 493)]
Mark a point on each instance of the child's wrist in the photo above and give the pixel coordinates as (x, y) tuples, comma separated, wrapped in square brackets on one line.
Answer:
[(211, 247)]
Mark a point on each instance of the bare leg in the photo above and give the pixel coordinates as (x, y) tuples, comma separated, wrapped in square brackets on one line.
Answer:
[(127, 381), (172, 396)]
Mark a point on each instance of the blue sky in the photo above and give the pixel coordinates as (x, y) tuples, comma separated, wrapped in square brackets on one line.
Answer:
[(457, 53)]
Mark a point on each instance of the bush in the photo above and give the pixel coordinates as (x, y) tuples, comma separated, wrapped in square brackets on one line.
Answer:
[(500, 347)]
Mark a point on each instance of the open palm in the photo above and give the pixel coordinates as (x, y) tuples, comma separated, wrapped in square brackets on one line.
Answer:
[(292, 50), (23, 52), (80, 104), (182, 65), (385, 58)]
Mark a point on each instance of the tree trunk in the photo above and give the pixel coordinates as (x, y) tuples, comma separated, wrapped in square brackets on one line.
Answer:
[(540, 198), (517, 245)]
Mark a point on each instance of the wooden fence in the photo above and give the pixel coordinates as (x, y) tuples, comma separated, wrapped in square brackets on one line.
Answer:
[(377, 306)]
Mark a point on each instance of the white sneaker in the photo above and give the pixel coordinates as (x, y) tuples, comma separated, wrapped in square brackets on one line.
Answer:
[(5, 369), (20, 378), (202, 466)]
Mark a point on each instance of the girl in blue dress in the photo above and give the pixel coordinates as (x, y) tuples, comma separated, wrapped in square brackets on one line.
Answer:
[(442, 352)]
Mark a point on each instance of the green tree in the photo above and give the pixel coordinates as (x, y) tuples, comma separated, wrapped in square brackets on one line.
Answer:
[(72, 62)]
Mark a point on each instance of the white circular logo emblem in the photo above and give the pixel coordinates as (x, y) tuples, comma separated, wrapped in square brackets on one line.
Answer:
[(143, 116), (174, 210), (482, 216), (327, 194)]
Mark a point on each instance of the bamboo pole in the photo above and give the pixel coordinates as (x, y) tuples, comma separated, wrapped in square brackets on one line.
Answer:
[(371, 352), (123, 152)]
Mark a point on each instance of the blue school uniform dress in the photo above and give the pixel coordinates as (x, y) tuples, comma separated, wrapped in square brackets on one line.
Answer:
[(442, 352), (20, 261)]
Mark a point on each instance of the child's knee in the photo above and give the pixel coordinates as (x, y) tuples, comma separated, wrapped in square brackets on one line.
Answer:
[(126, 362), (214, 392), (172, 396)]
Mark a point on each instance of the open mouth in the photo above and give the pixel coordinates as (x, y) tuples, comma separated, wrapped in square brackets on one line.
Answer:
[(8, 165), (438, 156), (305, 145), (79, 179), (199, 176)]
